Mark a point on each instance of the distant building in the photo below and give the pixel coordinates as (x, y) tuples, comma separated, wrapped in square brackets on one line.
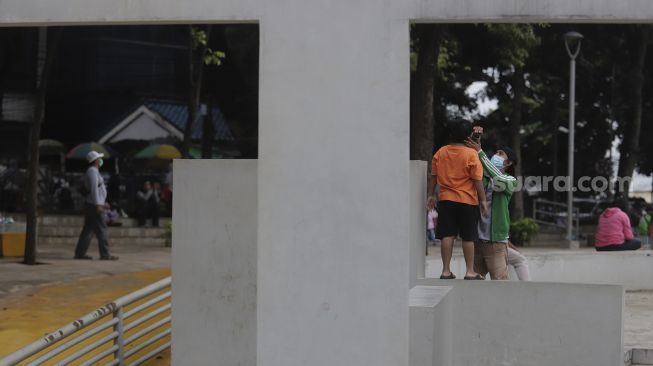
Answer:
[(165, 120)]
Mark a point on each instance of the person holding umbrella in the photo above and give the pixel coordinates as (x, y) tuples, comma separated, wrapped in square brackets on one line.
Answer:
[(93, 210)]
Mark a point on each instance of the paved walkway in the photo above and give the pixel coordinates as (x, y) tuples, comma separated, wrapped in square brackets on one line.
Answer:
[(59, 267), (36, 300), (638, 320)]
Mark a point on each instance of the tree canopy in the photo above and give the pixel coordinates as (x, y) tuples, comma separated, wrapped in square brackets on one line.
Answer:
[(524, 68)]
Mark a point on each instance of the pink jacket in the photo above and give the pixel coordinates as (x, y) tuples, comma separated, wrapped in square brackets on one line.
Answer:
[(613, 229)]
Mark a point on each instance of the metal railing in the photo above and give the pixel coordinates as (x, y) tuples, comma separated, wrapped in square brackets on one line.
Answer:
[(127, 334), (555, 214)]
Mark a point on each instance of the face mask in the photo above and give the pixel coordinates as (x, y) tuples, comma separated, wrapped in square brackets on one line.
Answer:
[(497, 161), (101, 163)]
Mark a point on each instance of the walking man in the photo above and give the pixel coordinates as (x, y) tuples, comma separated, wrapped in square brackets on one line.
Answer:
[(93, 210)]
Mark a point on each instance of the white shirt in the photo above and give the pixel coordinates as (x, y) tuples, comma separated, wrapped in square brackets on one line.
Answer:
[(95, 184)]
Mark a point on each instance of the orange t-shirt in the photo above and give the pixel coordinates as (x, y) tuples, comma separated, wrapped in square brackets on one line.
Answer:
[(455, 166)]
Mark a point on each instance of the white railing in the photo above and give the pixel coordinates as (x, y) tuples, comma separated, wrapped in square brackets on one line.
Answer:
[(128, 333), (555, 214)]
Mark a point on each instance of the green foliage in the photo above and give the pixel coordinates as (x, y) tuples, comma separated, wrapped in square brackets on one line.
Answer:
[(213, 57), (515, 43), (492, 53), (167, 233), (523, 230), (209, 56)]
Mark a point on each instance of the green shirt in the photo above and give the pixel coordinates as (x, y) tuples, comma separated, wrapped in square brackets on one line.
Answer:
[(644, 224), (503, 187)]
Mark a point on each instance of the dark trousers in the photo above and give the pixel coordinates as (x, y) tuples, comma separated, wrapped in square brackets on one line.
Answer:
[(631, 244), (93, 224), (149, 211)]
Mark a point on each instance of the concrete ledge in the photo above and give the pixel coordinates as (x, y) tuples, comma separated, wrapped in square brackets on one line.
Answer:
[(531, 323), (642, 356), (430, 326), (633, 270)]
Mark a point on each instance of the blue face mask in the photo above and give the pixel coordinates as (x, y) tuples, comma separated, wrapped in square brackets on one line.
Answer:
[(497, 161), (101, 162)]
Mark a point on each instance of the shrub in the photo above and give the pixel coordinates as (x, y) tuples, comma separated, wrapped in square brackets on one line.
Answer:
[(167, 233), (523, 230)]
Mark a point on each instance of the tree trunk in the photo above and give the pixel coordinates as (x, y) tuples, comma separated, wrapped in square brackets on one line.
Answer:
[(421, 118), (515, 128), (195, 75), (33, 168), (629, 147), (208, 132)]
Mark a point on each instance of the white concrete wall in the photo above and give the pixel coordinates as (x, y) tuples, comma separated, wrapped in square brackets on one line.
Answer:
[(417, 221), (431, 326), (334, 185), (535, 324), (633, 270), (13, 12), (214, 254)]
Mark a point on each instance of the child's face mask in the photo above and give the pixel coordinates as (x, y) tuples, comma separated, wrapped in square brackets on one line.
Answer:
[(100, 163)]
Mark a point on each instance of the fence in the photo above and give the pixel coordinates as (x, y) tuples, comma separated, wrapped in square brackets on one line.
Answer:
[(127, 331), (554, 214)]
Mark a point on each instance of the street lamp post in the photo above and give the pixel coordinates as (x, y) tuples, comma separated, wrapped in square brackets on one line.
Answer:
[(572, 44)]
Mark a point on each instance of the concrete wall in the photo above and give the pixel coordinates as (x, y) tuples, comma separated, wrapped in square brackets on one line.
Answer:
[(530, 323), (431, 324), (333, 187), (214, 258), (417, 221), (102, 11), (633, 270)]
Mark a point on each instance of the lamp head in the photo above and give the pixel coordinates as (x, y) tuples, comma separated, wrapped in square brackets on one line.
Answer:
[(572, 43)]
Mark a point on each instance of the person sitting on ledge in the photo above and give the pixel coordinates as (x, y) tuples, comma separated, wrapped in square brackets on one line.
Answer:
[(614, 232)]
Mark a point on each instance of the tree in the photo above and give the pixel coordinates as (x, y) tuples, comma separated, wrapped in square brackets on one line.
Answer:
[(199, 55), (35, 134), (422, 122), (629, 147), (515, 42)]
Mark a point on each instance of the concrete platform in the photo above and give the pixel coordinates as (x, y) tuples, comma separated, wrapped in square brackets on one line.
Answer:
[(633, 269), (530, 323)]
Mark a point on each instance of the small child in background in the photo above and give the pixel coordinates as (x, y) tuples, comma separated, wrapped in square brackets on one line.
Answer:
[(431, 222), (111, 216)]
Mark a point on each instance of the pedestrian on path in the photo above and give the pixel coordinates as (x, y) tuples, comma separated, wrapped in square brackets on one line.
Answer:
[(94, 207)]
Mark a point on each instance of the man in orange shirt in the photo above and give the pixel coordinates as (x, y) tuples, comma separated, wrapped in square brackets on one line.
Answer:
[(458, 172)]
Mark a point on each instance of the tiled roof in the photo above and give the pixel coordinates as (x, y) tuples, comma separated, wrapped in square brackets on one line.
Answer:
[(177, 114)]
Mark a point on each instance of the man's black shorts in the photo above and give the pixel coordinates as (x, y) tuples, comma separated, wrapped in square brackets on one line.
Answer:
[(457, 219)]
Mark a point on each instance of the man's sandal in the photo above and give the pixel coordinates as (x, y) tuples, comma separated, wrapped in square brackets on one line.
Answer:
[(474, 278)]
